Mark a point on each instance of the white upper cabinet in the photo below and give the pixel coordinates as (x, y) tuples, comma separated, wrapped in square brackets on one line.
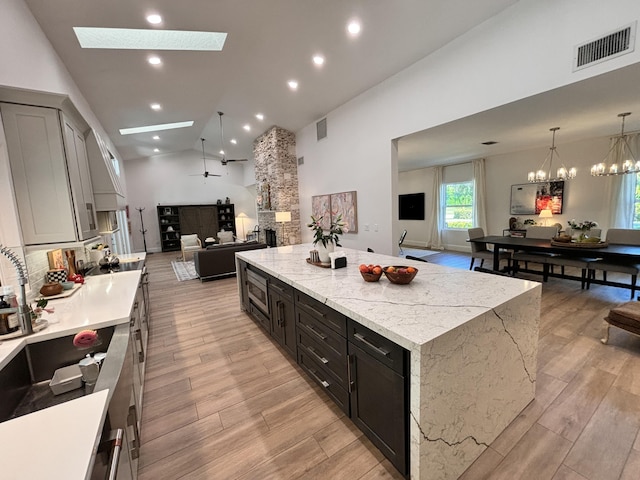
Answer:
[(53, 204)]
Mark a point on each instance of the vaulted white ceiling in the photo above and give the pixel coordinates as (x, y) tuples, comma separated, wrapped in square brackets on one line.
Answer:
[(268, 43)]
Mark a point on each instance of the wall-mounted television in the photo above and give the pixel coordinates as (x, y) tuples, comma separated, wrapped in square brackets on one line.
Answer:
[(411, 206)]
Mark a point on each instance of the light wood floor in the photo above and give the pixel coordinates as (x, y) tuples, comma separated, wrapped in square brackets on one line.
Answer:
[(224, 402)]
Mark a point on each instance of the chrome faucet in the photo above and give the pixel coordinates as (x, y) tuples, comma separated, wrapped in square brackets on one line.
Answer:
[(24, 315)]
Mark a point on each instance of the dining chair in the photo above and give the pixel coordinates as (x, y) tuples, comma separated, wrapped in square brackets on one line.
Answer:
[(539, 232), (189, 243), (480, 250), (617, 236), (577, 262), (401, 241)]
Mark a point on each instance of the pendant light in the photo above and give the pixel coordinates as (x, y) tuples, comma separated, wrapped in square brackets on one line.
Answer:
[(620, 159), (563, 173)]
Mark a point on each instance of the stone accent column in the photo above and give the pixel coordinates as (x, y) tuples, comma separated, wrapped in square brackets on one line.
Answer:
[(276, 169)]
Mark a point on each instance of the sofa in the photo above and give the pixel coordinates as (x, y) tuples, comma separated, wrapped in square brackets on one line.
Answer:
[(220, 260)]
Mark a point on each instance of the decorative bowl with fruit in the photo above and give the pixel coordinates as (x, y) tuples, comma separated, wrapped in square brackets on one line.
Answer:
[(400, 274), (370, 273)]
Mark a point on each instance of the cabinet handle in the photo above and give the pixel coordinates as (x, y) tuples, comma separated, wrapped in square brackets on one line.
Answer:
[(141, 352), (350, 381), (132, 421), (312, 351), (314, 375), (116, 448), (317, 312), (281, 313), (380, 350), (278, 288), (320, 335)]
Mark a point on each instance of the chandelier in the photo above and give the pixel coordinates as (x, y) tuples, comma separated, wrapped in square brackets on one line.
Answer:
[(620, 155), (563, 173)]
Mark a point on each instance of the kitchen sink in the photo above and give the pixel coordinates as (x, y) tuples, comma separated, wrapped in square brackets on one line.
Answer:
[(24, 381)]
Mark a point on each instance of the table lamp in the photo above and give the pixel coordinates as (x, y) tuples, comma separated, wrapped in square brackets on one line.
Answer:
[(544, 215), (241, 216), (283, 217)]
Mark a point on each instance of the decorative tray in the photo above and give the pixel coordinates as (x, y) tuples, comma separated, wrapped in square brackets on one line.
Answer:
[(41, 325), (319, 264), (573, 244)]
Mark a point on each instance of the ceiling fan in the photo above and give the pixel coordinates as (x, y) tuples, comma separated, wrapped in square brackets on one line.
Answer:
[(224, 159), (204, 161)]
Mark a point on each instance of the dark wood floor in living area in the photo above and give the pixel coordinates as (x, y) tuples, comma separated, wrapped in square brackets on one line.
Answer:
[(224, 402)]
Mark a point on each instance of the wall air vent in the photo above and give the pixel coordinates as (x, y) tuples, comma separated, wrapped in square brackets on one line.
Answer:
[(321, 129), (605, 48)]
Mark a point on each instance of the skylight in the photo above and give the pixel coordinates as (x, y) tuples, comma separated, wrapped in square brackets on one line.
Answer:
[(140, 39), (155, 128)]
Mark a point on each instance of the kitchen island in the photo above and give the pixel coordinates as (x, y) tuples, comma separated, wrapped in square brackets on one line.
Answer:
[(471, 340)]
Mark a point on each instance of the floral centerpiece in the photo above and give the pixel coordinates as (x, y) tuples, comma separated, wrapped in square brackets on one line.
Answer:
[(325, 241), (583, 227)]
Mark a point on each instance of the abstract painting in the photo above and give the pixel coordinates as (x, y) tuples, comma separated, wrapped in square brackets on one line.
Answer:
[(345, 204)]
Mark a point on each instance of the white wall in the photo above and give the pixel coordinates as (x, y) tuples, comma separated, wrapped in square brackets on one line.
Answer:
[(166, 180), (525, 50)]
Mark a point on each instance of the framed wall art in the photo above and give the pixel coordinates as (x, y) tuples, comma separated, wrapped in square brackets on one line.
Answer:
[(532, 198), (345, 204), (320, 207)]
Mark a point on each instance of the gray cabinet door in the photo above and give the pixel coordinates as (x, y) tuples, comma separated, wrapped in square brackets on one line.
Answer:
[(39, 174)]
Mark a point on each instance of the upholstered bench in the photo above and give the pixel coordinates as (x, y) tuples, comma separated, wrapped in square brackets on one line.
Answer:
[(626, 317)]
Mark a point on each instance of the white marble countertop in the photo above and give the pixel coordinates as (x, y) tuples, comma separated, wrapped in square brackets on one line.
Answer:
[(438, 300), (57, 442)]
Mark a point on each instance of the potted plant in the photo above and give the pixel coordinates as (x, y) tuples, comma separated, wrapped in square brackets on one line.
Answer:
[(583, 227), (325, 241)]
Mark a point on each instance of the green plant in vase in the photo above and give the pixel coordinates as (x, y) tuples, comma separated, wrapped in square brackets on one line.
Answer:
[(583, 227), (324, 241)]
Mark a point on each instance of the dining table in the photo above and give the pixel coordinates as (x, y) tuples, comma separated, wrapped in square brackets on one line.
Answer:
[(607, 252)]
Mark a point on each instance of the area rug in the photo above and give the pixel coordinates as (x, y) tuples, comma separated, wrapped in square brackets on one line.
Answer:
[(184, 270), (415, 252)]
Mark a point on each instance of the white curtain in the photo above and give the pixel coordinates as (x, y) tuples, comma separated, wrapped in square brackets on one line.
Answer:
[(434, 222), (479, 195), (622, 188)]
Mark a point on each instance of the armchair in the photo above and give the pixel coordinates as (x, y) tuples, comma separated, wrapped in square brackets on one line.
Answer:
[(189, 243)]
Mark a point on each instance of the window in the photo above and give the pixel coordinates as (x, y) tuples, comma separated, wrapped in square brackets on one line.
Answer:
[(458, 205)]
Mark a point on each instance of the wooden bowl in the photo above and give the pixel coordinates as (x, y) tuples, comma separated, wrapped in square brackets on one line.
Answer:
[(398, 274), (49, 289), (371, 277)]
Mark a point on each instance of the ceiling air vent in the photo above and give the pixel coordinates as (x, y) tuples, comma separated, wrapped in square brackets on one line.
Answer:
[(321, 129), (610, 46)]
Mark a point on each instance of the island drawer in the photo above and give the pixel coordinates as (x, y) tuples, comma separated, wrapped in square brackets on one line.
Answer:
[(281, 288), (262, 319), (322, 313), (321, 333), (387, 352), (328, 358), (325, 380)]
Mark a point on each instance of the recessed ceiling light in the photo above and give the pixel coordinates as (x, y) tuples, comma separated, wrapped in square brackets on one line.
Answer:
[(156, 106), (156, 150), (156, 137), (260, 116), (140, 39), (353, 28), (318, 60), (221, 152), (154, 19), (247, 127), (155, 128), (154, 60), (234, 141), (293, 85)]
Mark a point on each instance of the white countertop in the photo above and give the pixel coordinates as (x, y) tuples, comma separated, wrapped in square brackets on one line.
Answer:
[(57, 442), (438, 300)]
